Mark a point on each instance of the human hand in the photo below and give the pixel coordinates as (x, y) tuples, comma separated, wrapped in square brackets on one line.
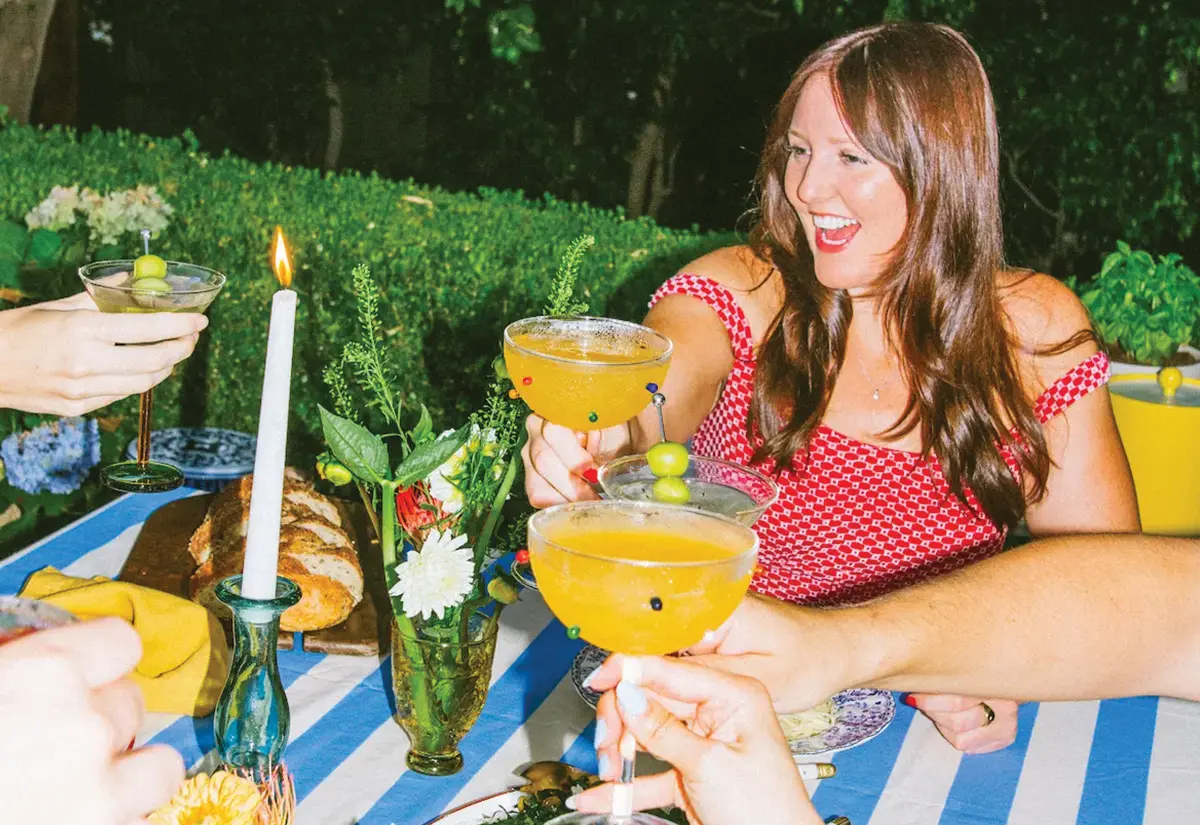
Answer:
[(67, 715), (65, 357), (802, 655), (963, 720), (560, 464), (731, 763)]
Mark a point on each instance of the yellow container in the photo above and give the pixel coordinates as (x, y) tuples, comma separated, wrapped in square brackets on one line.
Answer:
[(1159, 421)]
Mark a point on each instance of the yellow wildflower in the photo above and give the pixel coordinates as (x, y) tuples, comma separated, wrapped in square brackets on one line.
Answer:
[(220, 799)]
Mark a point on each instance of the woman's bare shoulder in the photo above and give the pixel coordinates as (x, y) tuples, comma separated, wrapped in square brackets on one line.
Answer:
[(1042, 314), (754, 282)]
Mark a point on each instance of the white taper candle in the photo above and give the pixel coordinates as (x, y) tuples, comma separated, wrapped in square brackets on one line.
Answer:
[(266, 499)]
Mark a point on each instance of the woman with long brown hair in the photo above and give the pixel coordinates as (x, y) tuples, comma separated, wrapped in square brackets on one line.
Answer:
[(914, 397)]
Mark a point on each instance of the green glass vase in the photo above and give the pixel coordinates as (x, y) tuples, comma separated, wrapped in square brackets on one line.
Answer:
[(441, 683), (252, 720)]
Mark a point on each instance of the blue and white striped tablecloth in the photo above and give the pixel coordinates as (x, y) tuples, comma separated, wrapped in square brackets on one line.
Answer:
[(1090, 763)]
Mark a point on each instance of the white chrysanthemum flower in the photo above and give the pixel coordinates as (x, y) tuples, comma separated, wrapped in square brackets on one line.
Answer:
[(437, 577)]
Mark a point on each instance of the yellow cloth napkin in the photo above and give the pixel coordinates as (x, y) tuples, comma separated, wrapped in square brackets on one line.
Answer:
[(184, 654)]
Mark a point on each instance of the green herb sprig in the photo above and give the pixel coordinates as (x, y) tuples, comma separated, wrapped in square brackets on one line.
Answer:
[(562, 291)]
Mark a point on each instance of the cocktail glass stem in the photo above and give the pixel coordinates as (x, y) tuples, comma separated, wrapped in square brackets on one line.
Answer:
[(623, 792), (145, 406)]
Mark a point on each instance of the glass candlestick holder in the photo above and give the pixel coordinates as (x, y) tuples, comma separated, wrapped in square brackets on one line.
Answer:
[(252, 720)]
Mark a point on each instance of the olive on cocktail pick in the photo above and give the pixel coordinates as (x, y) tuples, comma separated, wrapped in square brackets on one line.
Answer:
[(147, 265), (146, 290)]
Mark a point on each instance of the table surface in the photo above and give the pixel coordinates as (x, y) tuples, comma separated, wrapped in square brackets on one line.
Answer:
[(1114, 762)]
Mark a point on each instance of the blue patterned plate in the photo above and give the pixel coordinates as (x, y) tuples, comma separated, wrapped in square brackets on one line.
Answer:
[(206, 455), (861, 714)]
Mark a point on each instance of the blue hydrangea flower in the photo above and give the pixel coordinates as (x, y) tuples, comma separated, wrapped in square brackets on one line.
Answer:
[(52, 458)]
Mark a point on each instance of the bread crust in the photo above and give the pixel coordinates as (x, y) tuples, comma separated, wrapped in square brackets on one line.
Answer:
[(315, 552)]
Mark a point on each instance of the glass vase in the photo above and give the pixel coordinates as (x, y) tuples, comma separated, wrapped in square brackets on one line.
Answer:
[(252, 720), (441, 683)]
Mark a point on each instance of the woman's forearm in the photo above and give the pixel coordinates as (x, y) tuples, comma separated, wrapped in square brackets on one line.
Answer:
[(1066, 618)]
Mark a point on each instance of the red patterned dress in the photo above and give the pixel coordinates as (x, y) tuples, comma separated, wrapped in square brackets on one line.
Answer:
[(853, 520)]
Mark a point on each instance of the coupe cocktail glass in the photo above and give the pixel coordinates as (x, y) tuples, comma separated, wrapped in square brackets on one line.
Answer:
[(715, 485), (112, 286), (585, 373), (638, 578)]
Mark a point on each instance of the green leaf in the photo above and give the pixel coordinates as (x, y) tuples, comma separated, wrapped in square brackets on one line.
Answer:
[(424, 428), (14, 240), (10, 273), (44, 247), (427, 457), (363, 452)]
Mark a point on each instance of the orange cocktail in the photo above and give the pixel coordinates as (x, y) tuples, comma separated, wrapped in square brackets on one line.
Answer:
[(639, 577), (585, 373)]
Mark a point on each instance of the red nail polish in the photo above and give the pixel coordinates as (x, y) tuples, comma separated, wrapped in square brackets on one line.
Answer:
[(591, 476), (910, 700)]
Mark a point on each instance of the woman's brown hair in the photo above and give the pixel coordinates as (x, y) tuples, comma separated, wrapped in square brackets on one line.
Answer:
[(916, 97)]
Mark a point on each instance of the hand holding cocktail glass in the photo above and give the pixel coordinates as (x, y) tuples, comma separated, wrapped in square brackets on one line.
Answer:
[(148, 285)]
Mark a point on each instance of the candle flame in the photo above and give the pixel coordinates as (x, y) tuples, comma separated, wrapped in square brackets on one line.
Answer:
[(280, 262)]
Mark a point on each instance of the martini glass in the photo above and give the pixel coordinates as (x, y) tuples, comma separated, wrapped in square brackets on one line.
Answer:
[(585, 373), (639, 578), (714, 485), (112, 286)]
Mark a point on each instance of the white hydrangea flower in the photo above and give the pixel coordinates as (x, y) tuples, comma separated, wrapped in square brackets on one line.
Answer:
[(437, 577), (131, 210), (57, 211)]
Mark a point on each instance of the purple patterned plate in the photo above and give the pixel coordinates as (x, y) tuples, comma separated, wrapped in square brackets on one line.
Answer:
[(860, 714)]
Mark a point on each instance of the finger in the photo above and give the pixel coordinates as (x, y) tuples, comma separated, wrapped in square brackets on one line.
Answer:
[(103, 650), (564, 443), (81, 300), (941, 702), (121, 704), (148, 358), (550, 467), (655, 791), (541, 493), (691, 681), (608, 723), (125, 328), (999, 734), (658, 732), (144, 779)]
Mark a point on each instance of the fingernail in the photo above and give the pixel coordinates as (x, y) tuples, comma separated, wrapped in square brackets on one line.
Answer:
[(591, 476), (631, 698), (910, 700), (570, 803), (602, 766), (587, 682), (601, 732)]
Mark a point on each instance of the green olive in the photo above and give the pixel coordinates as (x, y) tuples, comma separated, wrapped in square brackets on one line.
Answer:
[(672, 490), (148, 291), (149, 266), (667, 458)]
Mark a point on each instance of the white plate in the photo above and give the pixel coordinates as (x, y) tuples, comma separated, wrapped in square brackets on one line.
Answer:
[(861, 713), (474, 813)]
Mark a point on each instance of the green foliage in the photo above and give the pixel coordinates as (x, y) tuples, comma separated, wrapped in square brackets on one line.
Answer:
[(562, 290), (451, 269), (1146, 307)]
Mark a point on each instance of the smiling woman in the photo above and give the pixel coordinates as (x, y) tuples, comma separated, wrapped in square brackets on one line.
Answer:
[(975, 394)]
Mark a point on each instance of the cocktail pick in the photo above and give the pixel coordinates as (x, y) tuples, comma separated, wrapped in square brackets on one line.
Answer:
[(145, 233), (659, 399)]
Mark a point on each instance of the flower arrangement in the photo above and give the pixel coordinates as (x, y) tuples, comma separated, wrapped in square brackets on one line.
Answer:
[(440, 505)]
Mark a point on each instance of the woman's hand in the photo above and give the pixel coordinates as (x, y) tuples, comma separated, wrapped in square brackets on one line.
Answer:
[(731, 761), (68, 715), (560, 464), (65, 357), (965, 722)]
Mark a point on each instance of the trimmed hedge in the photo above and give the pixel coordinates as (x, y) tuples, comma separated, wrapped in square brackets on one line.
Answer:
[(455, 268)]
